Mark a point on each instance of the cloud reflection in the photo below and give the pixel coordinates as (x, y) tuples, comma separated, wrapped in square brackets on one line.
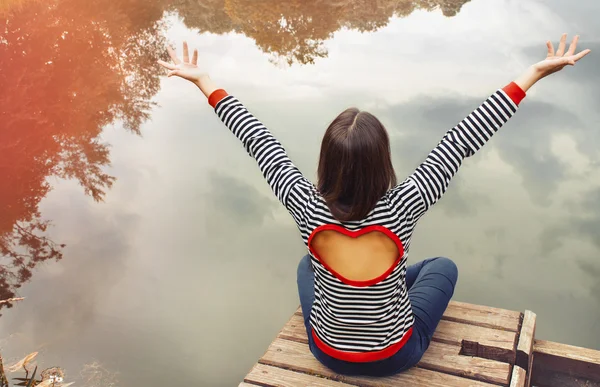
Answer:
[(239, 201)]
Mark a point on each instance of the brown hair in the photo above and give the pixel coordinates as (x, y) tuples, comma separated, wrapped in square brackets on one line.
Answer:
[(355, 166)]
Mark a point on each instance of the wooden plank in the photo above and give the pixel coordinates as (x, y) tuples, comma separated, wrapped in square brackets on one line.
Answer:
[(297, 357), (439, 357), (294, 330), (451, 332), (567, 351), (491, 343), (244, 384), (446, 358), (525, 345), (264, 375), (565, 359), (484, 316), (519, 377)]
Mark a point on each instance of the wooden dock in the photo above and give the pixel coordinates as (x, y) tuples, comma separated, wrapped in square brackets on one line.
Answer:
[(473, 346)]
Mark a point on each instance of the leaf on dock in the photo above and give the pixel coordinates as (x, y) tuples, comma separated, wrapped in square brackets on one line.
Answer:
[(22, 363)]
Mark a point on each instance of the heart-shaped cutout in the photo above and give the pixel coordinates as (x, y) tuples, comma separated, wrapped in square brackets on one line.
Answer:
[(359, 258)]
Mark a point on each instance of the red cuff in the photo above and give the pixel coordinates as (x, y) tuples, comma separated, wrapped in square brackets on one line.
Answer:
[(514, 92), (216, 96)]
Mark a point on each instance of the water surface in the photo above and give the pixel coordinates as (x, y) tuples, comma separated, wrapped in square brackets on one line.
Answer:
[(178, 264)]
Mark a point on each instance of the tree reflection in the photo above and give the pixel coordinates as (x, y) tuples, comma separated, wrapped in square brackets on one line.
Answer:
[(295, 30), (71, 67), (68, 70)]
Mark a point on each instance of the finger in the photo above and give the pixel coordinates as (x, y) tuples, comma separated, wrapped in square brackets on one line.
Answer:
[(186, 53), (562, 45), (174, 72), (573, 46), (550, 49), (173, 56), (581, 55), (195, 57), (170, 66)]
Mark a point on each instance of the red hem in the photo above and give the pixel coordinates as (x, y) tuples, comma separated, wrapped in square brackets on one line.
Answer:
[(216, 96), (355, 234), (515, 92), (362, 357)]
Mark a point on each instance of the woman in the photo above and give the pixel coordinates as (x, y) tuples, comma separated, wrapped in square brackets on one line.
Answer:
[(365, 311)]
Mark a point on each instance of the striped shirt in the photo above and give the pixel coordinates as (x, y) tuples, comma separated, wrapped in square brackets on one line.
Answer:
[(364, 321)]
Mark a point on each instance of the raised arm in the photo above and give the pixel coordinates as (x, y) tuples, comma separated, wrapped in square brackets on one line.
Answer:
[(286, 181), (432, 177)]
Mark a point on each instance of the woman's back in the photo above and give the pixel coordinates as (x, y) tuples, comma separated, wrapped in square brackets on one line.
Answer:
[(361, 310)]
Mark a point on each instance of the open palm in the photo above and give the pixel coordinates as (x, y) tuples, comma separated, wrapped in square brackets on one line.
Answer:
[(185, 68), (556, 61)]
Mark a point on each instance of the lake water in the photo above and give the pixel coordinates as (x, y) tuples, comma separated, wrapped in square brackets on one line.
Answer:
[(179, 264)]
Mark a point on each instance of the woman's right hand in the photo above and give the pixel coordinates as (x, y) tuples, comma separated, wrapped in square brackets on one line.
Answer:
[(555, 61), (188, 69)]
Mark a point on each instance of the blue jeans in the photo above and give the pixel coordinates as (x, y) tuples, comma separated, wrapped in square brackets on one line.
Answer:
[(430, 286)]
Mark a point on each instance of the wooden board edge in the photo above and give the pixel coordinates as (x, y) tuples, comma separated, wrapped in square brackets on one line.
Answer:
[(519, 377), (558, 349), (526, 340)]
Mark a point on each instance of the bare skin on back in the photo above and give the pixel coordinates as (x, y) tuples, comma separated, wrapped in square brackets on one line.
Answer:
[(359, 259)]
